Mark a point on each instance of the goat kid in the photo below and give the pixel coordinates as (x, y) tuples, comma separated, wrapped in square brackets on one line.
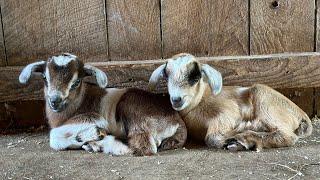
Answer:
[(232, 117), (80, 114)]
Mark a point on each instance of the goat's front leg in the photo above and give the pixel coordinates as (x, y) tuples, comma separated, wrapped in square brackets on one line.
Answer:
[(77, 131), (217, 133), (251, 140)]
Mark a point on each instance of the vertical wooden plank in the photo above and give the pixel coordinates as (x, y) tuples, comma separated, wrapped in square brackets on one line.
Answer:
[(317, 90), (3, 117), (35, 29), (2, 45), (282, 26), (134, 29), (317, 102), (205, 28)]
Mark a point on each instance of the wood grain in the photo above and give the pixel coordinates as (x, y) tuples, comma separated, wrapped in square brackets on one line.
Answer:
[(317, 102), (33, 29), (278, 71), (134, 29), (2, 48), (205, 28), (286, 28)]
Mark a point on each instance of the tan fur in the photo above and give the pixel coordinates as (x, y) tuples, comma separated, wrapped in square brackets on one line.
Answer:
[(238, 118)]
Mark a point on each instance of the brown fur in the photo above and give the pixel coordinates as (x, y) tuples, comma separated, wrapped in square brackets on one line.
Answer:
[(149, 114)]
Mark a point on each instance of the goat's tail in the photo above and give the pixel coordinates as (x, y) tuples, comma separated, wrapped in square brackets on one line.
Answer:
[(305, 127)]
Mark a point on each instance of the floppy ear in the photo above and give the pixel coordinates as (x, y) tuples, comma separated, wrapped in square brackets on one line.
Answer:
[(213, 77), (100, 76), (157, 74), (29, 69)]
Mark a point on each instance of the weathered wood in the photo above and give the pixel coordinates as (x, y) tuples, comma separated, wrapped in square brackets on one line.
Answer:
[(278, 71), (33, 29), (205, 28), (317, 102), (21, 114), (3, 116), (288, 27), (317, 26), (134, 29), (303, 97), (2, 47)]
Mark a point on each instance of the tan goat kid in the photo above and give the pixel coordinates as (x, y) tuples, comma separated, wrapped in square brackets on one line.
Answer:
[(80, 112), (232, 117)]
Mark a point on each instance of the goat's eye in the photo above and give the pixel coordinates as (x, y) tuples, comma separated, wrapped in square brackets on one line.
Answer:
[(75, 84), (45, 79)]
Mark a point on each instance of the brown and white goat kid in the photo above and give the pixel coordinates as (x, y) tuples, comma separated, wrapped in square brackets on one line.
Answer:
[(79, 112), (232, 117)]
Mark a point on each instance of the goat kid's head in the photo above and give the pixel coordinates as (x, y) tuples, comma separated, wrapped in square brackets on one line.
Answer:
[(186, 78), (62, 77)]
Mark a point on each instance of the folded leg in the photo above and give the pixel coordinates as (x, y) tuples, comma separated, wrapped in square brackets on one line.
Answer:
[(76, 132)]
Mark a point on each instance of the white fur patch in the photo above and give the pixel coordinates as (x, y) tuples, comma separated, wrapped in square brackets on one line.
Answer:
[(102, 123), (65, 136), (74, 78), (153, 143), (112, 146), (64, 59), (241, 90)]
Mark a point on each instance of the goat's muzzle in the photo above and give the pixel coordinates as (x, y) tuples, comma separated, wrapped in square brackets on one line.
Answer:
[(177, 102), (56, 103)]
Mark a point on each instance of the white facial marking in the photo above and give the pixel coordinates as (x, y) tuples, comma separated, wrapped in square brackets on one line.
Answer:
[(74, 78), (64, 60)]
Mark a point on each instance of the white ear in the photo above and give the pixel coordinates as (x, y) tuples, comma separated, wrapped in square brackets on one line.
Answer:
[(29, 69), (156, 76), (214, 78), (101, 77)]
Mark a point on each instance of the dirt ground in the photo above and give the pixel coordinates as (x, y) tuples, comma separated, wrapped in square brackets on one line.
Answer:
[(28, 156)]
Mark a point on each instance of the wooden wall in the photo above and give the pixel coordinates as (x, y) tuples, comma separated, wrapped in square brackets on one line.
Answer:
[(123, 31)]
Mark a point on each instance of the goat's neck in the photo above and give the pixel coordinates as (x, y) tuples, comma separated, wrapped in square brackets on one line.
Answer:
[(56, 119), (203, 90)]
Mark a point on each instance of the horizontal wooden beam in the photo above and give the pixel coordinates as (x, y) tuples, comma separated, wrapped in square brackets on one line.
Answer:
[(298, 70)]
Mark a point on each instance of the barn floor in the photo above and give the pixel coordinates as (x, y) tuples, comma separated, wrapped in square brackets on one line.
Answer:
[(28, 156)]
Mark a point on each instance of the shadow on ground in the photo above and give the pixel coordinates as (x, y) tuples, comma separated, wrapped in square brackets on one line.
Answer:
[(28, 156)]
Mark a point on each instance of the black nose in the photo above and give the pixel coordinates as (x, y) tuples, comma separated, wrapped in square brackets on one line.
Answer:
[(55, 101), (176, 100)]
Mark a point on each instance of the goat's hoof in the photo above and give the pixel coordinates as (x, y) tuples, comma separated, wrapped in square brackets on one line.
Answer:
[(91, 134), (78, 138), (143, 152), (101, 133), (92, 147), (168, 143), (233, 145)]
